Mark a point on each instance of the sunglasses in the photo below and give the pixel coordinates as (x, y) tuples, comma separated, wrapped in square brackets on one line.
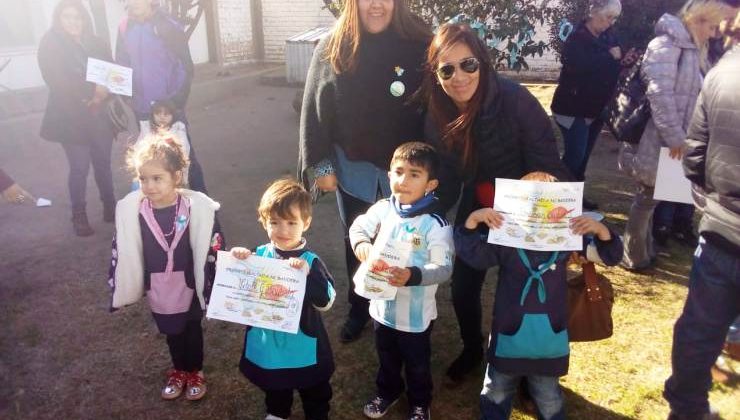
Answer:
[(468, 65)]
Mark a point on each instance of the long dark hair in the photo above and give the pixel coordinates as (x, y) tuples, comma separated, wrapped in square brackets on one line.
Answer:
[(455, 127), (345, 39), (56, 17), (168, 106)]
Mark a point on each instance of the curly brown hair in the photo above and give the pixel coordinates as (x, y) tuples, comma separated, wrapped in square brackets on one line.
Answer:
[(164, 149)]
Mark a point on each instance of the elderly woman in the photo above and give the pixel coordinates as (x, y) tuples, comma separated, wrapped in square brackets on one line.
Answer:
[(489, 127), (356, 111), (591, 64), (73, 115), (672, 68), (712, 164)]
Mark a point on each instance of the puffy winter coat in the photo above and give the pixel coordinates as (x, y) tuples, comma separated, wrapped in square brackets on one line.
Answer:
[(712, 160), (673, 76)]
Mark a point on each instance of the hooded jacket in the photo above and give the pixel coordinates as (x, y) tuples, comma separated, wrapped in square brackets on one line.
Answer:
[(712, 160), (672, 73)]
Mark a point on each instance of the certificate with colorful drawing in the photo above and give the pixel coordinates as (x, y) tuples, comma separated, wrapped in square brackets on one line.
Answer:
[(117, 79), (537, 215), (258, 291), (371, 278)]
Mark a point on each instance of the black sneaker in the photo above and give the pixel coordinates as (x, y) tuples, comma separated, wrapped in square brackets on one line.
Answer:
[(467, 361), (419, 413), (377, 407), (351, 331)]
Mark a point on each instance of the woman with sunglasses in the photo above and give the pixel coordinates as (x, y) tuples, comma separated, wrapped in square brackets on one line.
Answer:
[(491, 128), (356, 111)]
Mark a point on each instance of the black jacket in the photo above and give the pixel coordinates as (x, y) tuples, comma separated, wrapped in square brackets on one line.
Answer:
[(588, 76), (63, 64), (514, 136), (712, 159)]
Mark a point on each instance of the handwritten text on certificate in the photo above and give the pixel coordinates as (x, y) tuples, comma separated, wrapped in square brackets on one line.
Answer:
[(117, 79), (262, 292), (537, 215)]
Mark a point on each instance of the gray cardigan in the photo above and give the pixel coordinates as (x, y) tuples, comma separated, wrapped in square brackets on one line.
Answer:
[(673, 75)]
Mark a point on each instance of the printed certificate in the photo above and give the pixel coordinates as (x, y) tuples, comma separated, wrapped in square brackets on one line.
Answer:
[(262, 292), (537, 215), (371, 280), (117, 79)]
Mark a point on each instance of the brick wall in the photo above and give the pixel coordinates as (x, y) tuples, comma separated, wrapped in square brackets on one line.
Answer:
[(235, 25), (282, 19)]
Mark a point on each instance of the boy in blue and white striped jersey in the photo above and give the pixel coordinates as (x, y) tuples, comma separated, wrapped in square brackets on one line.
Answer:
[(403, 326)]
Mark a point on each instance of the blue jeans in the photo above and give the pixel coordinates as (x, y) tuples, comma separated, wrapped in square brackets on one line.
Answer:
[(499, 389), (674, 216), (712, 305), (579, 141)]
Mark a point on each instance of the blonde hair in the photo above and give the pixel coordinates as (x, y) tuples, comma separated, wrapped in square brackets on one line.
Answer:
[(698, 11), (731, 30), (341, 51), (539, 176), (280, 197), (163, 149)]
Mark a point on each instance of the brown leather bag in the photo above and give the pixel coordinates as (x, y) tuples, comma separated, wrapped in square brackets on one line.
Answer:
[(590, 301)]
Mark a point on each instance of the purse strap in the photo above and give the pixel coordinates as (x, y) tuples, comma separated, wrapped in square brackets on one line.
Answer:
[(593, 290)]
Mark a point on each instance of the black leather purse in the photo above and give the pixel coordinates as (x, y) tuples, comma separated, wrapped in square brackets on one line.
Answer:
[(628, 112)]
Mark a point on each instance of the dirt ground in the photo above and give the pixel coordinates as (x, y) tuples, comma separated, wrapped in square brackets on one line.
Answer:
[(64, 356)]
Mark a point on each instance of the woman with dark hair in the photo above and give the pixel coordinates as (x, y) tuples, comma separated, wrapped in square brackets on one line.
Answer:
[(74, 115), (356, 111), (491, 128)]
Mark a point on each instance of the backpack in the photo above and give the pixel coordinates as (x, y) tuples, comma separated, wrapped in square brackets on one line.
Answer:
[(628, 112)]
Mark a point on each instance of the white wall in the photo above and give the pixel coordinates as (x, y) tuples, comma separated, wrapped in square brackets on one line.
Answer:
[(282, 19), (235, 30)]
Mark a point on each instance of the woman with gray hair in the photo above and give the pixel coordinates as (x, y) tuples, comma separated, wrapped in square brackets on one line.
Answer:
[(672, 68), (591, 63)]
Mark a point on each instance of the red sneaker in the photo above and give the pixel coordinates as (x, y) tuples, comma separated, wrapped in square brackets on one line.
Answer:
[(196, 386), (176, 380)]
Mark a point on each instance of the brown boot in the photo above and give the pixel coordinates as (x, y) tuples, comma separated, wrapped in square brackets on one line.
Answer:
[(81, 225)]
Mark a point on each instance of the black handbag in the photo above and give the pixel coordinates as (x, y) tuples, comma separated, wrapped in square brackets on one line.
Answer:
[(628, 112)]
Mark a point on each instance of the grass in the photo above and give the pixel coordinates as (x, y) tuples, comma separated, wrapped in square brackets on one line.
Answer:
[(63, 356)]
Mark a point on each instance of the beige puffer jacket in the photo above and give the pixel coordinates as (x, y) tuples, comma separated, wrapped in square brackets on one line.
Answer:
[(673, 76)]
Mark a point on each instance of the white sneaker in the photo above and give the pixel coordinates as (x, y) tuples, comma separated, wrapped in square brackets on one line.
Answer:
[(271, 417)]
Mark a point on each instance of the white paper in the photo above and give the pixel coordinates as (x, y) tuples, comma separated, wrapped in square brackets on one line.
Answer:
[(262, 292), (42, 202), (117, 79), (537, 215), (670, 182), (372, 282)]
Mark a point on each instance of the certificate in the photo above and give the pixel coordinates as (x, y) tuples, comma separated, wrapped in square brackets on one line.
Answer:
[(537, 215), (258, 291), (117, 79), (670, 182), (371, 278)]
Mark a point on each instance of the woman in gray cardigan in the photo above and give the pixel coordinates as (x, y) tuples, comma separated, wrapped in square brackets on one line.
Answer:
[(672, 68)]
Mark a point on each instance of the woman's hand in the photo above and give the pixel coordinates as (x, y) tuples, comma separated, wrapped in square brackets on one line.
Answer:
[(240, 253), (99, 95), (630, 58), (676, 152), (327, 183), (16, 195), (489, 216)]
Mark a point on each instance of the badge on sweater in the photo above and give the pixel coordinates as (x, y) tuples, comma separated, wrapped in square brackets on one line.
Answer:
[(397, 87)]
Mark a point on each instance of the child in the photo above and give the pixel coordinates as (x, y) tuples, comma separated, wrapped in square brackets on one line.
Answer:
[(162, 123), (529, 337), (165, 245), (403, 326), (280, 362)]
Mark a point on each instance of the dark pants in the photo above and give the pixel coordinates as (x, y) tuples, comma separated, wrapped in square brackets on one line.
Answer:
[(674, 216), (467, 283), (398, 350), (579, 141), (315, 401), (196, 181), (711, 306), (349, 208), (96, 150), (186, 348)]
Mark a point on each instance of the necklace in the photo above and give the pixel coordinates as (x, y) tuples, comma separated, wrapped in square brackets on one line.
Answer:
[(174, 219)]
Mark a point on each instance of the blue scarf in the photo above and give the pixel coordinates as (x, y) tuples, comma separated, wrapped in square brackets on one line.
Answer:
[(421, 206)]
